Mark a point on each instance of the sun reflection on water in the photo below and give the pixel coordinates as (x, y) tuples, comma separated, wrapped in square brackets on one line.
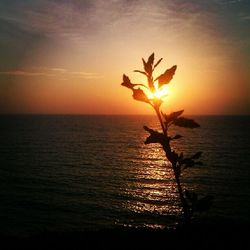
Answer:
[(152, 192)]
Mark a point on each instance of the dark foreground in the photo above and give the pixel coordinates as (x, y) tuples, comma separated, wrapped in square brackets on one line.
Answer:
[(205, 235)]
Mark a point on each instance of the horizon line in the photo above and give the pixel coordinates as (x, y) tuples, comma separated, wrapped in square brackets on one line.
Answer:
[(106, 114)]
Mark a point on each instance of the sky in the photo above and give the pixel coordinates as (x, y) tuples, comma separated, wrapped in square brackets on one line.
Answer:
[(68, 57)]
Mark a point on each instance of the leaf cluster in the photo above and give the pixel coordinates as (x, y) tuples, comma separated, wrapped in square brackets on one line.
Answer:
[(140, 90), (174, 119)]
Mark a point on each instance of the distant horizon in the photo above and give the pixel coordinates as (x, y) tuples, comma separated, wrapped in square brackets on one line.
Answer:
[(96, 114)]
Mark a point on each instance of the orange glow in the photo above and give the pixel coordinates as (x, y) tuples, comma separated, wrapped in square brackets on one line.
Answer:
[(160, 93)]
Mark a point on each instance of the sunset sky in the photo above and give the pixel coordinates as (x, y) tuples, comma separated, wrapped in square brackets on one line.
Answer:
[(68, 56)]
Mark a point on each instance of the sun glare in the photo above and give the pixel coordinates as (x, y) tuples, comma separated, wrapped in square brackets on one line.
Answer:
[(162, 92), (159, 93)]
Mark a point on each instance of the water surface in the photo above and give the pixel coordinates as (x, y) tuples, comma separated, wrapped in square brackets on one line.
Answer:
[(74, 173)]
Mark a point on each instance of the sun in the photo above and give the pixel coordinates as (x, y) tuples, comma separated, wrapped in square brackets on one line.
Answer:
[(162, 92), (159, 93)]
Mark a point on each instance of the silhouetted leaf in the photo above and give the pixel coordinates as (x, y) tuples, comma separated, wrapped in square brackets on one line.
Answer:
[(166, 77), (149, 129), (197, 155), (142, 72), (189, 165), (185, 123), (155, 136), (157, 63), (126, 82), (139, 95), (148, 66), (176, 137), (172, 116), (188, 162), (151, 59)]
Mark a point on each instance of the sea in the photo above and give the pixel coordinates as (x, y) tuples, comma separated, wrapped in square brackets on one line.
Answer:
[(68, 173)]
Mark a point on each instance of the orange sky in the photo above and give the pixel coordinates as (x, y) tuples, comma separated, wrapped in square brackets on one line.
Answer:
[(60, 58)]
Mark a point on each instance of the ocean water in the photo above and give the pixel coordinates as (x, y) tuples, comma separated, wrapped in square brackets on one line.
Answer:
[(76, 173)]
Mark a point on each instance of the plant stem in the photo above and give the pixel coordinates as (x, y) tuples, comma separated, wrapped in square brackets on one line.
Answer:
[(174, 167), (183, 201), (160, 119)]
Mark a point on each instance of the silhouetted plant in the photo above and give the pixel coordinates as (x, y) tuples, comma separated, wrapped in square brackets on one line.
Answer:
[(149, 94)]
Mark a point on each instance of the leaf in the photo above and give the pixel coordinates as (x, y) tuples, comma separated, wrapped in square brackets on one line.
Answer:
[(144, 64), (155, 136), (151, 59), (197, 155), (139, 95), (157, 63), (126, 82), (176, 137), (189, 165), (142, 72), (185, 123), (148, 66), (187, 162), (172, 116), (166, 77)]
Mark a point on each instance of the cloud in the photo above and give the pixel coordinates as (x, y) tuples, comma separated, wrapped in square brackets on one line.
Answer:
[(53, 72), (85, 75), (59, 70), (24, 73)]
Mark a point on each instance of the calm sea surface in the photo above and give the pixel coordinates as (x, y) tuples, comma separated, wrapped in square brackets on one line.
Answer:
[(74, 173)]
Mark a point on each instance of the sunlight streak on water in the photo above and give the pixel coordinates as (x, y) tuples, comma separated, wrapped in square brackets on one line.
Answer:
[(153, 191)]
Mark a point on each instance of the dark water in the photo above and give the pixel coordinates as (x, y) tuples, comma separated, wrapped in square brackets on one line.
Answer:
[(72, 173)]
